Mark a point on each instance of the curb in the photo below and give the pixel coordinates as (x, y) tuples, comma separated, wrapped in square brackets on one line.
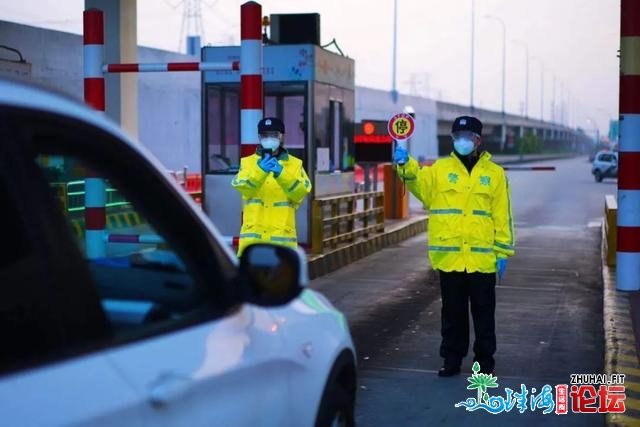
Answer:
[(620, 345), (319, 265)]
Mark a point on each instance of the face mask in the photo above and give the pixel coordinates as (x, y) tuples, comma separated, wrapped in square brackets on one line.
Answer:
[(463, 146), (270, 143)]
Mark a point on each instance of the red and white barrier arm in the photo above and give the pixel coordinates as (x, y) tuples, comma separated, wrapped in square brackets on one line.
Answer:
[(529, 168), (171, 66), (135, 238)]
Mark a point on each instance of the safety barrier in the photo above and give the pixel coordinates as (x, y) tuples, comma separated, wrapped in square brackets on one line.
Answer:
[(71, 195), (339, 219), (191, 182), (114, 221), (193, 186), (610, 238)]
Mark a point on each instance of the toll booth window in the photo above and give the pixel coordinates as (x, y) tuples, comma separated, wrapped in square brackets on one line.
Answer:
[(139, 278), (293, 118), (223, 128), (291, 109)]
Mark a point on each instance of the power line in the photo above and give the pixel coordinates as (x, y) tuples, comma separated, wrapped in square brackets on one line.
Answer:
[(191, 19)]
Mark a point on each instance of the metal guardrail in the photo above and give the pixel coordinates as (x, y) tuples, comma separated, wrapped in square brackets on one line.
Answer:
[(339, 219), (71, 196), (610, 238)]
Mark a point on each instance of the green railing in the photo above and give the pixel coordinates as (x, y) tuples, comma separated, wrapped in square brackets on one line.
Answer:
[(71, 195)]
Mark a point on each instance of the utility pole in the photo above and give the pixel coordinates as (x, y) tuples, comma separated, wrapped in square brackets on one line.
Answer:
[(473, 26), (394, 91), (192, 13), (526, 77)]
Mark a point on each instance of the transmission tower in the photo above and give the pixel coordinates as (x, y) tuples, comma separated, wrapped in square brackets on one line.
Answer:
[(191, 19)]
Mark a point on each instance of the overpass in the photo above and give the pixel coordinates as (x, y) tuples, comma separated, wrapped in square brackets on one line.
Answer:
[(501, 130)]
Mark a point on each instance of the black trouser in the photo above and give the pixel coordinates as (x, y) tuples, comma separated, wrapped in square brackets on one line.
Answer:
[(458, 289)]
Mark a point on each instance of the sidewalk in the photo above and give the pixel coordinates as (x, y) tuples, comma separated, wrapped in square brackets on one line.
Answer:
[(621, 322)]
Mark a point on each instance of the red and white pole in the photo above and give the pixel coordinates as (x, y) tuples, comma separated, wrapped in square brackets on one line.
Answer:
[(94, 89), (93, 27), (250, 76), (628, 249)]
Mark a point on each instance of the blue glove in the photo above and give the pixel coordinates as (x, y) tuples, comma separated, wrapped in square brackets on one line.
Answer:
[(501, 266), (400, 155), (275, 166), (263, 163)]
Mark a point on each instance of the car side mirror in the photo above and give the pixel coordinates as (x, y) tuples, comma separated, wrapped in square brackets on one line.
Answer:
[(272, 275)]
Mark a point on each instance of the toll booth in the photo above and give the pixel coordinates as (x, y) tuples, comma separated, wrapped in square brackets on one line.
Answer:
[(312, 90)]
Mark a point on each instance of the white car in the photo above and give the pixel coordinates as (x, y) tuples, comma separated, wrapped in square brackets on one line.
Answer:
[(605, 165), (167, 327)]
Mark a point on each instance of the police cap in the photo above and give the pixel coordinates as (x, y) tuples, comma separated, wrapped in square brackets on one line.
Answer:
[(468, 123), (270, 124)]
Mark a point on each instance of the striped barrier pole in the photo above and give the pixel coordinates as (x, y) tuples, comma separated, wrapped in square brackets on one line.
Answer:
[(628, 247), (94, 95), (250, 76), (529, 168)]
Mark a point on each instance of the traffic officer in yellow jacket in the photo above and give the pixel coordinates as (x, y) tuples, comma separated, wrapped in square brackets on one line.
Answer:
[(273, 183), (470, 237)]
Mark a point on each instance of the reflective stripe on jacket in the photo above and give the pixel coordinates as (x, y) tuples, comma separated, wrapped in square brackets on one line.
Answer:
[(470, 217), (269, 204)]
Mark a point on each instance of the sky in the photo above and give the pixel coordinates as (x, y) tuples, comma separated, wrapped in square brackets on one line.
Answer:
[(571, 46)]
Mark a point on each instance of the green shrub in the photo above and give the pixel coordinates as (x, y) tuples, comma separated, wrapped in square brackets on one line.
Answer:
[(529, 143)]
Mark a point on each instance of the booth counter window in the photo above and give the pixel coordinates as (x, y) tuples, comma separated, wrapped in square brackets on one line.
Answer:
[(330, 108), (223, 128)]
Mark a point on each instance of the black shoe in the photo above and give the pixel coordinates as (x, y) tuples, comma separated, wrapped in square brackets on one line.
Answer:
[(449, 371)]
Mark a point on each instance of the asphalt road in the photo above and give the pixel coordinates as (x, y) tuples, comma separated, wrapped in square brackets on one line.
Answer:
[(549, 311)]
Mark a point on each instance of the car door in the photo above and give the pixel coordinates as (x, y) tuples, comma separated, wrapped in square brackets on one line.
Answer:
[(51, 372), (614, 165), (189, 350)]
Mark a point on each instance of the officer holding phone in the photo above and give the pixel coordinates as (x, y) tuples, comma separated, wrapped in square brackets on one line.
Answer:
[(273, 183)]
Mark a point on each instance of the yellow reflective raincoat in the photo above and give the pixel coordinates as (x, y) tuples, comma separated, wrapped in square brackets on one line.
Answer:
[(470, 218), (269, 203)]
